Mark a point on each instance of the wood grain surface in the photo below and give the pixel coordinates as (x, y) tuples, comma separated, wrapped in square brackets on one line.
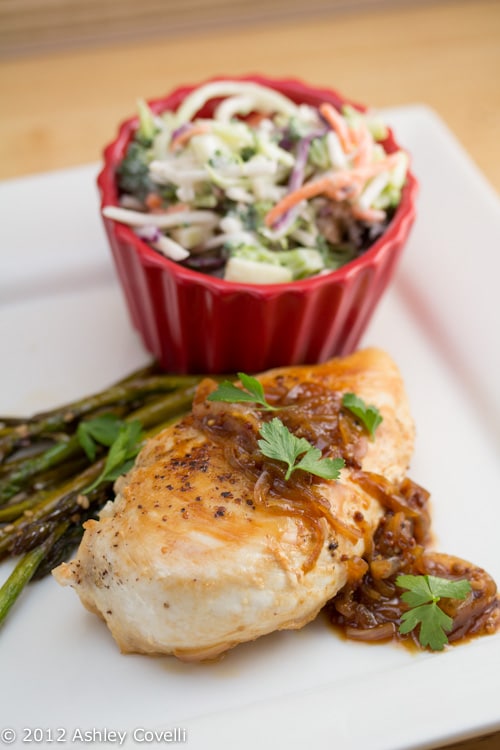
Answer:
[(31, 26), (60, 108)]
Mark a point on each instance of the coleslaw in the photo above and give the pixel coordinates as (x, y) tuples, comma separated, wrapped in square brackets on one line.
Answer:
[(265, 190)]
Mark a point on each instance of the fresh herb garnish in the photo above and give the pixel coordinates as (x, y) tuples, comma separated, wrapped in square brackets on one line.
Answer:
[(369, 416), (103, 430), (423, 595), (253, 392), (279, 443), (121, 454)]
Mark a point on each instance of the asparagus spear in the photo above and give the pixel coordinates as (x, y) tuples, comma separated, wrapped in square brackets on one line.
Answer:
[(152, 413), (159, 411), (60, 550), (22, 474), (58, 419), (45, 503), (63, 499), (46, 524), (25, 570), (8, 422)]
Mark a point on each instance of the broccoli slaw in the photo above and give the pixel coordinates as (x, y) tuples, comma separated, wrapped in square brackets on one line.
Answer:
[(263, 191)]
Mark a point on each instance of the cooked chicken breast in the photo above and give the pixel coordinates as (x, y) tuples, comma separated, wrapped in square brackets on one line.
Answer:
[(206, 546)]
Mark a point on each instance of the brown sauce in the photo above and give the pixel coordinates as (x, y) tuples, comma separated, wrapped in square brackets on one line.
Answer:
[(369, 607)]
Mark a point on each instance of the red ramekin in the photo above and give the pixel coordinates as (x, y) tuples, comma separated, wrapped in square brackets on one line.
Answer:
[(192, 322)]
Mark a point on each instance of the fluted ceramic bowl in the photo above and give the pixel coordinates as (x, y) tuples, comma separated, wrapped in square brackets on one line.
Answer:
[(194, 322)]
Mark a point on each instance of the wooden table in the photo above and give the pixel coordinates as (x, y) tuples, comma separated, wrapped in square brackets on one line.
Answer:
[(60, 108)]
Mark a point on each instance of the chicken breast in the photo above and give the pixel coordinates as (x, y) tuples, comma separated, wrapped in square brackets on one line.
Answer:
[(207, 546)]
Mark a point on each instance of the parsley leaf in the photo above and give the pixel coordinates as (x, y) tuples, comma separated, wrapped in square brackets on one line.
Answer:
[(434, 624), (327, 468), (279, 443), (369, 416), (423, 595), (103, 430), (121, 454), (254, 392)]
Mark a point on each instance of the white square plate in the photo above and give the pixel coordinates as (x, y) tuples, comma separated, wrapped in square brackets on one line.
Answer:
[(64, 332)]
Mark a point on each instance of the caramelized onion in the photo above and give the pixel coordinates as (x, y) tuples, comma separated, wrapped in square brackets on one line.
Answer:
[(308, 410), (383, 632), (373, 606), (384, 567), (407, 498), (261, 488), (480, 610), (369, 607)]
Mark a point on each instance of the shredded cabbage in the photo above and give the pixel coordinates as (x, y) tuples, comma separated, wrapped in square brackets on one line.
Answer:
[(263, 183)]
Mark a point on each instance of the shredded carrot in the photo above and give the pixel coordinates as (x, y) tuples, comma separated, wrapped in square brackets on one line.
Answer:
[(367, 171), (343, 186), (309, 190), (337, 123), (337, 186), (182, 138), (153, 201), (255, 118), (364, 146)]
